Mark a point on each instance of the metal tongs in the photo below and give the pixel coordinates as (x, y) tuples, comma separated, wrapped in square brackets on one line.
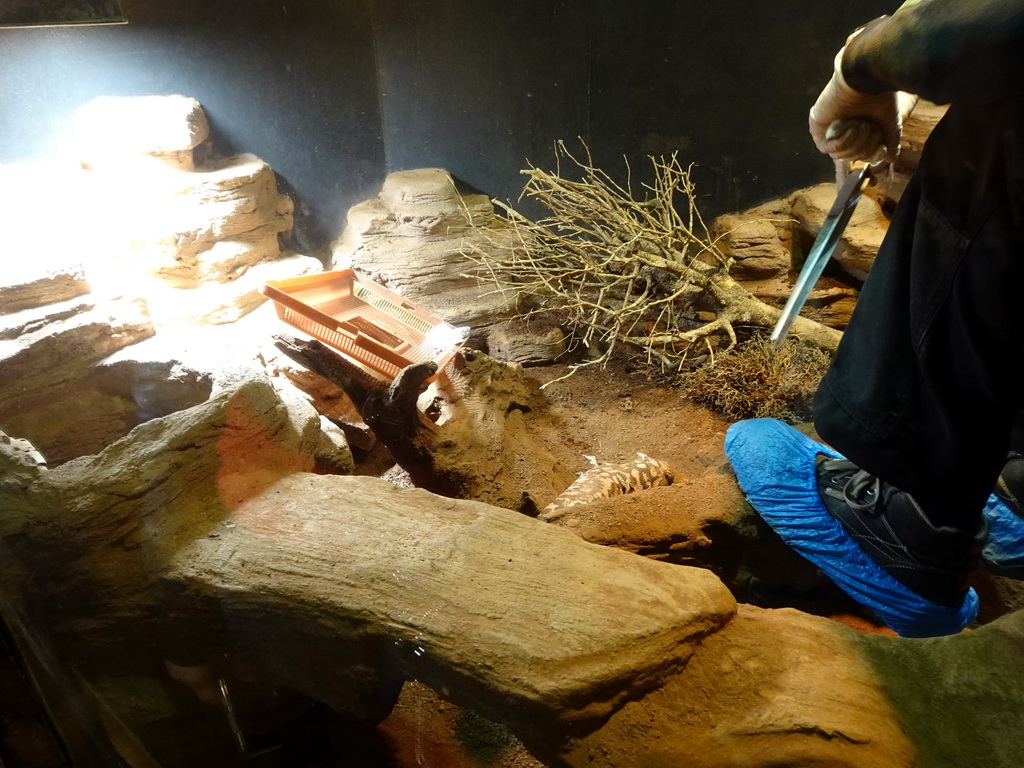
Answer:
[(857, 175), (824, 247)]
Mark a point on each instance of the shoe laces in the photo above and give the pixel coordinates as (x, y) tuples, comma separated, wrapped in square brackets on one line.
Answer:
[(861, 489)]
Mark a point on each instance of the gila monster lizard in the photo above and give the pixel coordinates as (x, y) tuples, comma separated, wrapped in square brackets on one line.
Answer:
[(606, 480)]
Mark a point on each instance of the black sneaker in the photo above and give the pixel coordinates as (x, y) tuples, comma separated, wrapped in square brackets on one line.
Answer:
[(892, 529), (1004, 552), (1010, 486)]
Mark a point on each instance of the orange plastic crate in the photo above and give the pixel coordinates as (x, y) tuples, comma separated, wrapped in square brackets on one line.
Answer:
[(363, 320)]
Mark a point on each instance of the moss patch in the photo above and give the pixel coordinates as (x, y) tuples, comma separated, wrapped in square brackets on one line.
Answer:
[(960, 699)]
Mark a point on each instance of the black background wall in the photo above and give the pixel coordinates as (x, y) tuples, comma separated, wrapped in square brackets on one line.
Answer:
[(335, 94)]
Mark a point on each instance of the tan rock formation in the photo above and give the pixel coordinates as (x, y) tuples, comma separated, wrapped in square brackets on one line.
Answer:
[(411, 237), (766, 244), (44, 354), (772, 688), (533, 341), (765, 263), (210, 223), (169, 225), (759, 241), (212, 302)]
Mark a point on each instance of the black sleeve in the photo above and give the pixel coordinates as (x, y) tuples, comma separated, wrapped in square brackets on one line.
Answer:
[(969, 51)]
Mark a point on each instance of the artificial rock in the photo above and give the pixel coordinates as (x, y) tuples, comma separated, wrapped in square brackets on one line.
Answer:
[(321, 581), (766, 244), (169, 224), (862, 236), (757, 241), (47, 353), (761, 244), (27, 284), (209, 224), (412, 238), (532, 341), (119, 131), (220, 541)]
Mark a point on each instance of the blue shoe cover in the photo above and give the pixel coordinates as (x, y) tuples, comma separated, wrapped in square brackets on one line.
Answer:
[(774, 465), (1004, 552)]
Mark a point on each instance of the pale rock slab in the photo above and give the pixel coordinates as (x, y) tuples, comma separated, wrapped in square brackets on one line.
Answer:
[(331, 452), (102, 404), (767, 246), (27, 284), (115, 132), (74, 383), (180, 464), (42, 247), (196, 245), (160, 214), (186, 227), (47, 360), (214, 303), (23, 455), (38, 342)]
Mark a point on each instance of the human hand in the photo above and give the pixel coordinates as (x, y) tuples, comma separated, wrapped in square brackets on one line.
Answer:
[(849, 125)]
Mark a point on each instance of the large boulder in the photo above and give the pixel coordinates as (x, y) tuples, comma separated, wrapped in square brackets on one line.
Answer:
[(202, 538), (211, 223), (46, 356)]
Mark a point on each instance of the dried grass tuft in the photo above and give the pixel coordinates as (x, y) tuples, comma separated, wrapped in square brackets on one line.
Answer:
[(755, 380)]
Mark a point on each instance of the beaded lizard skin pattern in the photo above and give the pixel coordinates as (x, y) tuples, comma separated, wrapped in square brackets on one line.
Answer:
[(606, 480)]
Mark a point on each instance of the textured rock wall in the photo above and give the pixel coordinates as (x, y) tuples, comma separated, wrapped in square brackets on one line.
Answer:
[(134, 234)]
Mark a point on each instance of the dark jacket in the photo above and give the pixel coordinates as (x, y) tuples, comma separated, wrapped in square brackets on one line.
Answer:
[(947, 51)]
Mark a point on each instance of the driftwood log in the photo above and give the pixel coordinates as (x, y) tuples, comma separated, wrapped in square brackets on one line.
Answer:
[(204, 533), (484, 439)]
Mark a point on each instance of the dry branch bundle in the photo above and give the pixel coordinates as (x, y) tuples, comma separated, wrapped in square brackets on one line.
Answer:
[(626, 269)]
